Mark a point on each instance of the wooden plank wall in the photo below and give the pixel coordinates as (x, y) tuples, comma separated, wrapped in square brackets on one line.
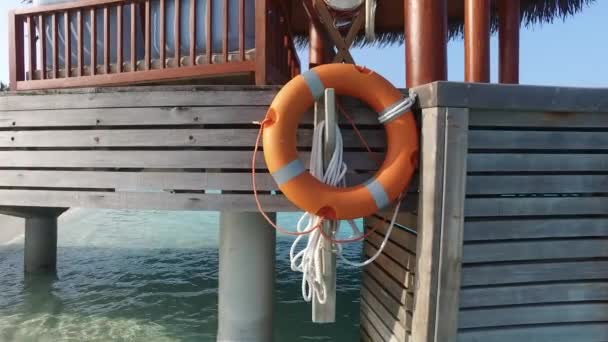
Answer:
[(535, 254), (151, 148), (387, 291)]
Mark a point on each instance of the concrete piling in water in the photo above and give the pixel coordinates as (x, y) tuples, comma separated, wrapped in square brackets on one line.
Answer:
[(246, 277), (40, 244)]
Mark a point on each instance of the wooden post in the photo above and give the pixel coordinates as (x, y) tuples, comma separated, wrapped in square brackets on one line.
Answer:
[(441, 224), (508, 33), (326, 312), (477, 40), (426, 30), (16, 53), (316, 51), (261, 40)]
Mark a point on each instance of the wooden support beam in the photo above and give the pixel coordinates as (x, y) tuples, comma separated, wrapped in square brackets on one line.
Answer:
[(426, 30), (477, 41), (16, 53), (508, 31), (317, 48)]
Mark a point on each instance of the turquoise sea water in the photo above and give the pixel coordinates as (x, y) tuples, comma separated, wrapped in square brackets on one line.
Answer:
[(150, 276)]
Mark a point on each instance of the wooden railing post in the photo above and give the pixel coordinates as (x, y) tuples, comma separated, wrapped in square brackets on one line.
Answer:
[(426, 29), (16, 53), (508, 31), (477, 40), (261, 39)]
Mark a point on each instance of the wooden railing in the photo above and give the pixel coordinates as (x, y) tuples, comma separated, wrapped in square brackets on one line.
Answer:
[(116, 42)]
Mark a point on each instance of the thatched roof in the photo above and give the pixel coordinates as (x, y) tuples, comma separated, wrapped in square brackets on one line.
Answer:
[(389, 19)]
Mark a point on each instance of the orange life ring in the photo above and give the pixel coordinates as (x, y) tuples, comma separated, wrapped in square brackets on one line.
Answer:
[(307, 192)]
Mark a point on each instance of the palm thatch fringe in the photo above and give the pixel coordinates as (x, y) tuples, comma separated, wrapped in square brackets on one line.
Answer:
[(532, 12)]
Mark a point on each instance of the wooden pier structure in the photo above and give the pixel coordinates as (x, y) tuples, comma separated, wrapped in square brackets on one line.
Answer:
[(503, 235)]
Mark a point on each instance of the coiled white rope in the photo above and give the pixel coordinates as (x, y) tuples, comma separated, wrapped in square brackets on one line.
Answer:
[(308, 260)]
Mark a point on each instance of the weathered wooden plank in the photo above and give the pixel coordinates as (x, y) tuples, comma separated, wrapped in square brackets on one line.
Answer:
[(535, 250), (535, 272), (518, 206), (154, 159), (513, 162), (534, 229), (394, 306), (541, 333), (396, 325), (534, 140), (167, 138), (392, 268), (512, 97), (141, 200), (368, 328), (144, 180), (126, 99), (153, 116), (398, 289), (536, 184), (444, 167), (544, 119), (403, 257), (537, 314), (534, 294), (399, 236), (386, 333)]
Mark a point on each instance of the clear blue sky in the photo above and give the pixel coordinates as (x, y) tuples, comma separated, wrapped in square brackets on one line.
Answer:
[(569, 53)]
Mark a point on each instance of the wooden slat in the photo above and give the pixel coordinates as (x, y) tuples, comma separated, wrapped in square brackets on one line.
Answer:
[(160, 137), (209, 37), (535, 250), (513, 162), (177, 33), (67, 44), (517, 206), (134, 7), (225, 12), (399, 236), (398, 289), (549, 333), (542, 314), (54, 45), (242, 32), (535, 272), (106, 40), (147, 35), (535, 229), (369, 329), (396, 326), (155, 98), (79, 23), (93, 47), (536, 184), (42, 45), (152, 159), (395, 306), (119, 38), (31, 45), (534, 294), (152, 116), (161, 33), (401, 256), (139, 180), (534, 140), (376, 322), (499, 118), (512, 97), (192, 32), (392, 268), (141, 200)]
